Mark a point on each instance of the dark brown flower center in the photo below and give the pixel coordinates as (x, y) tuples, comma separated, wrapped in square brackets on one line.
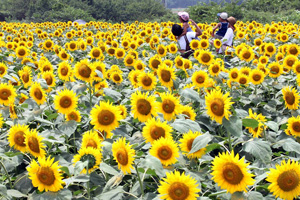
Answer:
[(217, 107), (84, 71), (275, 70), (247, 55), (165, 75), (33, 144), (164, 153), (215, 69), (2, 70), (129, 61), (122, 156), (190, 144), (188, 116), (157, 132), (205, 58), (270, 49), (96, 53), (293, 50), (73, 116), (200, 79), (232, 173), (21, 52), (117, 77), (290, 98), (106, 117), (178, 191), (19, 138), (168, 106), (38, 94), (91, 143), (155, 63), (147, 81), (25, 77), (4, 94), (234, 75), (288, 180), (46, 175), (65, 102), (257, 77), (143, 106), (296, 126), (243, 80), (49, 79)]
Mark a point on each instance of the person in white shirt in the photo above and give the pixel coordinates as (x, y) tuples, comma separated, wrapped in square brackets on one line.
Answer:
[(227, 40), (185, 39)]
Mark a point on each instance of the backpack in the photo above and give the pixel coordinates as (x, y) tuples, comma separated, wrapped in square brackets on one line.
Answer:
[(188, 50)]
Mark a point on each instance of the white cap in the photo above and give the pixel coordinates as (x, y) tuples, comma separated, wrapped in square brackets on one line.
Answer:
[(224, 15)]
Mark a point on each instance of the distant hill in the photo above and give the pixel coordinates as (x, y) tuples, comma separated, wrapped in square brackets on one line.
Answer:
[(187, 3)]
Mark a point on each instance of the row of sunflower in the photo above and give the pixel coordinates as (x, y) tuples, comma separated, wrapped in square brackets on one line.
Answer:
[(112, 111)]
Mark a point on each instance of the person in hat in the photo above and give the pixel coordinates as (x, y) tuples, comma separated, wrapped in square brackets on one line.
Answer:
[(227, 40), (222, 26), (184, 41), (184, 19)]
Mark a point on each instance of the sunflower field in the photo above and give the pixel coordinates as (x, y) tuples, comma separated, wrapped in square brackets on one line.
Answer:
[(111, 111)]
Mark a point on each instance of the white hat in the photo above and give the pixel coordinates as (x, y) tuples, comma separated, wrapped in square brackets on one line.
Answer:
[(224, 15)]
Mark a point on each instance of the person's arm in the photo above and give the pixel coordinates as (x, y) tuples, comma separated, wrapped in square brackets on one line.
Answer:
[(226, 37), (198, 30), (185, 27), (215, 28)]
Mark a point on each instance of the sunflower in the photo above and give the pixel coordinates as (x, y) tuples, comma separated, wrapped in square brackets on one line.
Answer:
[(73, 115), (166, 150), (116, 77), (195, 44), (178, 62), (91, 139), (46, 175), (199, 78), (218, 105), (105, 117), (217, 43), (124, 155), (234, 74), (258, 42), (178, 186), (16, 137), (256, 76), (84, 70), (204, 44), (7, 94), (37, 93), (243, 79), (170, 106), (245, 70), (172, 48), (3, 70), (50, 79), (147, 80), (161, 50), (34, 143), (285, 180), (46, 66), (65, 101), (63, 55), (293, 49), (291, 98), (143, 106), (205, 57), (21, 51), (289, 61), (129, 60), (100, 66), (154, 62), (23, 98), (64, 71), (189, 112), (119, 53), (91, 155), (246, 55), (155, 129), (230, 173), (214, 69), (133, 77), (263, 60), (256, 132), (270, 48), (275, 69), (186, 144), (96, 53), (293, 126), (48, 44), (139, 65), (25, 76), (166, 75)]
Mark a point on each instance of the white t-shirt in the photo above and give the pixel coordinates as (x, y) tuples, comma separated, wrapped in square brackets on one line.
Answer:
[(227, 39), (182, 42)]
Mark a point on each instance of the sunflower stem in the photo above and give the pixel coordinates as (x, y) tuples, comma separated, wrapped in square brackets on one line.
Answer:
[(88, 183), (139, 178), (229, 140), (2, 165)]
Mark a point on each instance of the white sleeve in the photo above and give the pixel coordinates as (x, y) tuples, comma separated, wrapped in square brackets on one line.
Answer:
[(227, 37), (191, 35)]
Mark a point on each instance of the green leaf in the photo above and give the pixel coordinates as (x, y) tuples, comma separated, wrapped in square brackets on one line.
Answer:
[(3, 190), (16, 193), (288, 145), (272, 125), (114, 194), (152, 163), (259, 149), (52, 116), (185, 125), (212, 147), (108, 169), (116, 96), (254, 196), (68, 128), (238, 196), (200, 142), (252, 123), (63, 194), (190, 94), (233, 125)]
